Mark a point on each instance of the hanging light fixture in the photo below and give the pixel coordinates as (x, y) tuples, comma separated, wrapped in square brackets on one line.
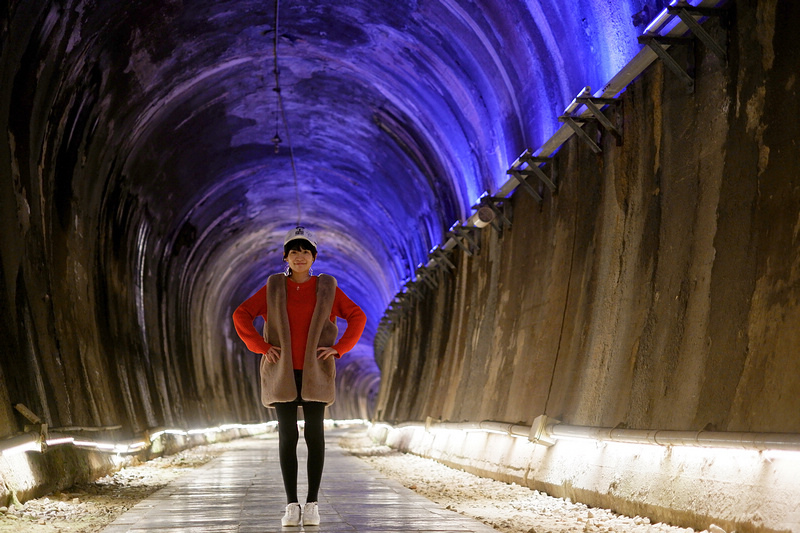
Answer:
[(276, 140)]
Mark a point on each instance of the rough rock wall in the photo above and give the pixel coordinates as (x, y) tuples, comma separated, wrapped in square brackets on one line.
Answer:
[(658, 288), (77, 346)]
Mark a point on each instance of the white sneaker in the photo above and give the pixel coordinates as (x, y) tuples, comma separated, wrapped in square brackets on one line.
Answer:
[(292, 515), (311, 514)]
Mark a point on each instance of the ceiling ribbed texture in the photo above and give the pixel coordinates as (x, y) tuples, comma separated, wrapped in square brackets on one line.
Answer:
[(399, 115)]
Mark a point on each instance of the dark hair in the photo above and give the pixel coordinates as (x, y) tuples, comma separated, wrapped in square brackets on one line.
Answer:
[(299, 245)]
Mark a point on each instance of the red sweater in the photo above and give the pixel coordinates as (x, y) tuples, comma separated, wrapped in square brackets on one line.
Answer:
[(300, 301)]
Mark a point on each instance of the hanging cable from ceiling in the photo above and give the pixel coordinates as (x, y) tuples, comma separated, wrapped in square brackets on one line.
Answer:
[(277, 140)]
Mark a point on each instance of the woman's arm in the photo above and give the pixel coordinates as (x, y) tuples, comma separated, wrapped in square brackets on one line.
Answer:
[(344, 307), (243, 321)]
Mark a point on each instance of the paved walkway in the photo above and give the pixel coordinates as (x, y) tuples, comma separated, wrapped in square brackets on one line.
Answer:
[(241, 491)]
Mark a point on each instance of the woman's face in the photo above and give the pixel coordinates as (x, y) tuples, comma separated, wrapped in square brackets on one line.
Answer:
[(300, 260)]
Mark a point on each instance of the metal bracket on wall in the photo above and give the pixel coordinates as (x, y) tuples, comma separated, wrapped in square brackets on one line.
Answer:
[(687, 14), (440, 258), (463, 234), (36, 425), (393, 312), (399, 310), (403, 303), (594, 107), (657, 42), (413, 292), (426, 276), (492, 210), (532, 168)]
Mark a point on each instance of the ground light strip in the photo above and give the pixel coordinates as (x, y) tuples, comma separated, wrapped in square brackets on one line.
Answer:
[(35, 442), (544, 431)]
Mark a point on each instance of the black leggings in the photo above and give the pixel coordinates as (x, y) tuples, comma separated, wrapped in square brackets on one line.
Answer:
[(288, 436)]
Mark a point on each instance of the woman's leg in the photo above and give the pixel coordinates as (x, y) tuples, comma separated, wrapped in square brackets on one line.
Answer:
[(314, 414), (287, 447)]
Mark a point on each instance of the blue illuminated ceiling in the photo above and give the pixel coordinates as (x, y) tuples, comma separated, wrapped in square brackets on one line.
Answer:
[(399, 114)]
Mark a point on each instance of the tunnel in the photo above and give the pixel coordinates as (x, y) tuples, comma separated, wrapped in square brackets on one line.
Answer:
[(575, 214)]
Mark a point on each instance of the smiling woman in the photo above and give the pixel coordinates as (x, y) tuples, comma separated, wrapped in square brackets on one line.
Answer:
[(300, 312)]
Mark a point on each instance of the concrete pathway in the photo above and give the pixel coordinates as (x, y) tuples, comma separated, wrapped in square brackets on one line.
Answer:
[(241, 491)]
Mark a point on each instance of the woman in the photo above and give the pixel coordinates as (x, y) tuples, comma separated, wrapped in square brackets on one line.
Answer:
[(297, 366)]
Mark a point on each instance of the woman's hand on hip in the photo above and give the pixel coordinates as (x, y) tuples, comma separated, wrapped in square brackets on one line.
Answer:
[(323, 352), (273, 354)]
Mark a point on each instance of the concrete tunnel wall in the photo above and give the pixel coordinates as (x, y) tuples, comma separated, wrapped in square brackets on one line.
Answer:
[(658, 289), (141, 200)]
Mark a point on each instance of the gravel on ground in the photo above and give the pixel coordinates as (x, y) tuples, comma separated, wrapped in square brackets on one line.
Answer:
[(509, 508), (90, 507)]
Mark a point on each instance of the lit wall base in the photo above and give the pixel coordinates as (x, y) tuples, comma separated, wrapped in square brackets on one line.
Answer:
[(26, 475), (691, 487)]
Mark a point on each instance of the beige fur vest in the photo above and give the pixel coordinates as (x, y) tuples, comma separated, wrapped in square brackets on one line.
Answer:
[(277, 379)]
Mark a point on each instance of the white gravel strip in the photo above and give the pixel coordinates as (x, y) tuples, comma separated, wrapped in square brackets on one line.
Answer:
[(505, 507)]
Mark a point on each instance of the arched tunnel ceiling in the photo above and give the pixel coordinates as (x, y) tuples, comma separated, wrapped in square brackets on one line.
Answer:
[(398, 115)]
